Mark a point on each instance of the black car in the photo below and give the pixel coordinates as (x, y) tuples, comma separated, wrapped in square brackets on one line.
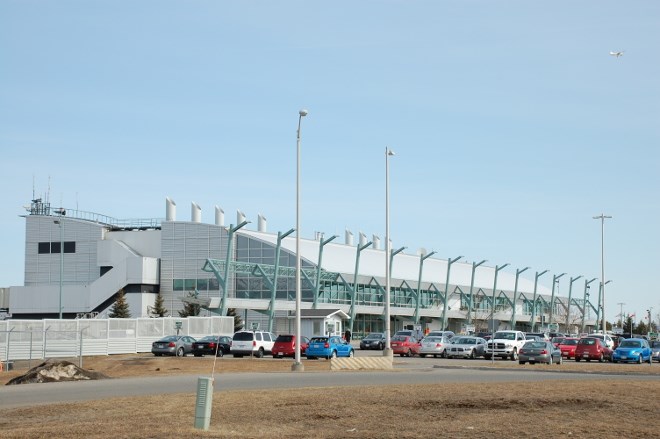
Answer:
[(212, 345), (375, 340)]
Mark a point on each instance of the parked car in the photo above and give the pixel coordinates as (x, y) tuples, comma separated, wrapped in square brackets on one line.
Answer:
[(655, 350), (257, 343), (375, 340), (404, 345), (466, 347), (433, 345), (285, 346), (607, 339), (567, 347), (557, 340), (448, 334), (539, 352), (328, 347), (212, 345), (592, 348), (179, 345), (633, 349)]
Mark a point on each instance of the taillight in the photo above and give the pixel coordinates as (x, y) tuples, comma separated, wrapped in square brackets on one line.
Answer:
[(212, 345), (438, 345), (254, 343), (171, 345), (543, 352), (326, 345)]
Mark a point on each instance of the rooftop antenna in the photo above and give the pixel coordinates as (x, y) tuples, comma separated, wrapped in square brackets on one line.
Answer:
[(33, 197), (48, 191)]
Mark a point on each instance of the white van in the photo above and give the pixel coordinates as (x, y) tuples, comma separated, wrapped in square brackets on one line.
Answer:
[(255, 343), (609, 342)]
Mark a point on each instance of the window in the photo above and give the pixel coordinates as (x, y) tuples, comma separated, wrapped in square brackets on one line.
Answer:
[(44, 247), (70, 247), (54, 247)]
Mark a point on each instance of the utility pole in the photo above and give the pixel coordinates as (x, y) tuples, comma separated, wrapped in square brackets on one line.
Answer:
[(621, 313), (602, 217)]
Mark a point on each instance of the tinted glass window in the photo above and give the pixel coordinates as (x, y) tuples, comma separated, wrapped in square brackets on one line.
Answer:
[(319, 339), (44, 247), (243, 336), (267, 337), (258, 336), (54, 247), (69, 247), (284, 338)]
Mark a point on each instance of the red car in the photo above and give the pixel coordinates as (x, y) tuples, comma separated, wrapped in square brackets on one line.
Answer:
[(404, 345), (589, 348), (567, 347), (285, 346)]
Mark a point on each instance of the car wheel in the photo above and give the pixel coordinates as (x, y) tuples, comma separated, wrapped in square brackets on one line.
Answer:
[(472, 355), (158, 355), (333, 354), (180, 352), (561, 360), (639, 360), (550, 361), (351, 354), (615, 361), (601, 358), (444, 354), (197, 355), (219, 353), (577, 359), (423, 355), (521, 362), (237, 356), (409, 353), (381, 346), (260, 353), (311, 358), (514, 355), (487, 357)]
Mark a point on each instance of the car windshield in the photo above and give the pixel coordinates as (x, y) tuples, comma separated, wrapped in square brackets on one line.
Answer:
[(399, 338), (208, 338), (588, 341), (464, 340), (566, 342), (433, 339), (505, 335), (373, 336), (535, 344), (319, 339), (284, 338), (630, 344), (170, 338)]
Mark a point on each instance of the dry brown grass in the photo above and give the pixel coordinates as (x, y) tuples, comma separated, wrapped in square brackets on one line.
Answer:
[(516, 409)]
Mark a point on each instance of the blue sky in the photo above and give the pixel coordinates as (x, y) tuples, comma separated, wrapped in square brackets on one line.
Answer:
[(511, 123)]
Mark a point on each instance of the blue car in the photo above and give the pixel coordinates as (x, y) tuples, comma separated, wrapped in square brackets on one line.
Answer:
[(632, 349), (328, 347)]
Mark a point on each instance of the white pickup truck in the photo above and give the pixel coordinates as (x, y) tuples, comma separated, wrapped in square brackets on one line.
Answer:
[(505, 344)]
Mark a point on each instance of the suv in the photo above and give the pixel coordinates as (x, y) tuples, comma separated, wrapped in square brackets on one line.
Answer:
[(255, 343)]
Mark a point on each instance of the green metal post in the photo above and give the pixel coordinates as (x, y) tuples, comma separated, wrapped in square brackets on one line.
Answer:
[(444, 308), (471, 301), (422, 258), (555, 280), (515, 297), (536, 283), (272, 285), (493, 303), (318, 270), (223, 282), (355, 284), (568, 308), (584, 300)]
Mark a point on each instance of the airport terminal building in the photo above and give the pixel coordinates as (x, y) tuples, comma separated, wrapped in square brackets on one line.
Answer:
[(78, 262)]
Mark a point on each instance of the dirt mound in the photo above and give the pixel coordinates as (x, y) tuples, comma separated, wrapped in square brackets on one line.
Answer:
[(55, 370)]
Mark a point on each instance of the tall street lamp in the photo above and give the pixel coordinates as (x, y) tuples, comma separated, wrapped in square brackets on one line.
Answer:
[(497, 270), (602, 218), (297, 365), (387, 352)]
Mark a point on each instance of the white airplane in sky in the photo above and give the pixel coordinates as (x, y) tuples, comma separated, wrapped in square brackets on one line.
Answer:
[(617, 54)]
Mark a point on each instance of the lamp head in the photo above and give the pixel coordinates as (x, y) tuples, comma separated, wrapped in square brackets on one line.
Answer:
[(390, 152), (302, 112)]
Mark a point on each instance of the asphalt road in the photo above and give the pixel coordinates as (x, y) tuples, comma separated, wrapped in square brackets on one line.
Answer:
[(48, 393)]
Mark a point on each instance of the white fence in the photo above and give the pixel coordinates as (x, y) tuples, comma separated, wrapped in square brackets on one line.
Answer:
[(38, 339)]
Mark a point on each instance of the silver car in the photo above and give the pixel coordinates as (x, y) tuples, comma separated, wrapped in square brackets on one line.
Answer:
[(466, 347), (655, 350), (179, 345), (433, 346), (539, 352)]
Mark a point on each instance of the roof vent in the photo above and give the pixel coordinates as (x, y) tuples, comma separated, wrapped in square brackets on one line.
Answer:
[(170, 209), (219, 216), (195, 213)]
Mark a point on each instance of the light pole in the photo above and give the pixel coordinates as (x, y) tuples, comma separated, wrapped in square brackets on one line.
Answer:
[(585, 300), (621, 312), (387, 352), (444, 309), (297, 365), (602, 218), (471, 302), (60, 224)]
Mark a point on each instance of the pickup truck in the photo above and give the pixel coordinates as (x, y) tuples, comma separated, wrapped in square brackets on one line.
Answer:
[(505, 344)]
